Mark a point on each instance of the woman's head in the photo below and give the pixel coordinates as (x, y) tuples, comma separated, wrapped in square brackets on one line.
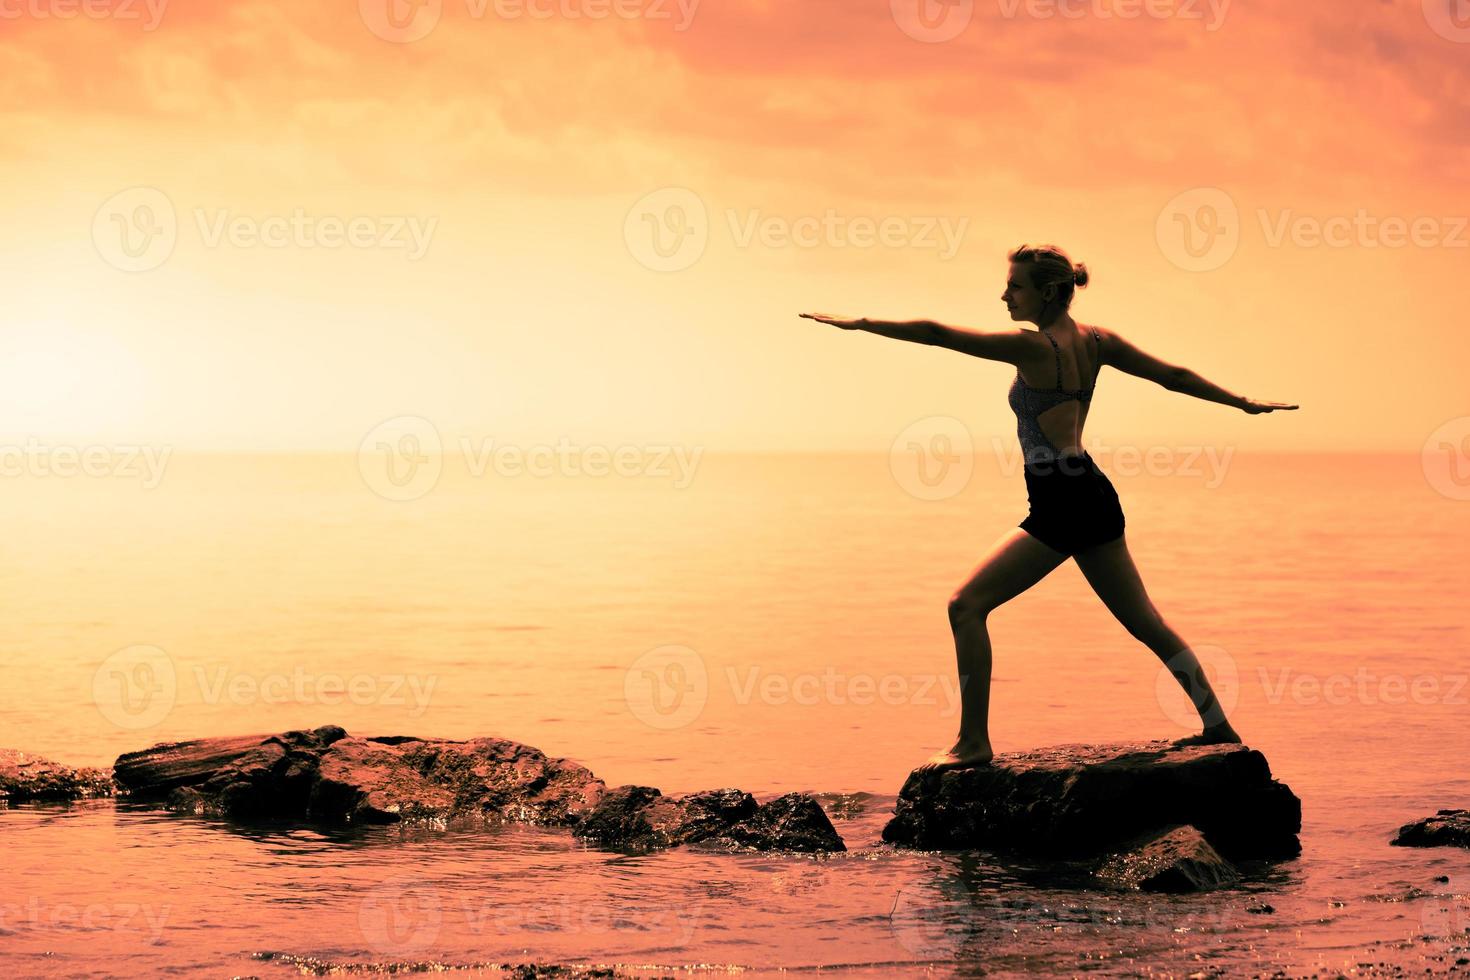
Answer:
[(1041, 282)]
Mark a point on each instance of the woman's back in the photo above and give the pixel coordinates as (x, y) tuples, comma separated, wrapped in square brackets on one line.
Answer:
[(1051, 395)]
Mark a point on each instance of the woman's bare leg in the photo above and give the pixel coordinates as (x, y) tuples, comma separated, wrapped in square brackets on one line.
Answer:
[(1110, 571), (1014, 563)]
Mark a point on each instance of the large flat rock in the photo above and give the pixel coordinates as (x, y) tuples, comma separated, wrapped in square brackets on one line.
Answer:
[(28, 778), (1076, 800), (325, 775)]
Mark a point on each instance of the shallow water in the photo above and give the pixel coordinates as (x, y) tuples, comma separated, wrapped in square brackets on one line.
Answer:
[(802, 601)]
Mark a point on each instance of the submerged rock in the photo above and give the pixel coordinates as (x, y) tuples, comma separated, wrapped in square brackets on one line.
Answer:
[(326, 775), (26, 778), (1447, 828), (1073, 800), (642, 818), (1177, 859)]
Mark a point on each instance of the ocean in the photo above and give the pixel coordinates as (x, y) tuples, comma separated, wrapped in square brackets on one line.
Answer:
[(772, 622)]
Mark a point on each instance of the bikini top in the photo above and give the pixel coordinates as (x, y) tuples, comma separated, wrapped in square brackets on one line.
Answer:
[(1028, 403)]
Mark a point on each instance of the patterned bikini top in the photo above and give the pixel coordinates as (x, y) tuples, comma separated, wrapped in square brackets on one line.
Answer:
[(1028, 403)]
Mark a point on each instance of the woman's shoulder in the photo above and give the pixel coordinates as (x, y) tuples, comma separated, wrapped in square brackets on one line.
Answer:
[(1103, 337)]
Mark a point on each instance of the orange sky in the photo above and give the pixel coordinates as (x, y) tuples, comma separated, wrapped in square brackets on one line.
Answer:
[(535, 304)]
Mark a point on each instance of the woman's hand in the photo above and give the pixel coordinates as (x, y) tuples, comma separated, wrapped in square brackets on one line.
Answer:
[(846, 323), (1253, 407)]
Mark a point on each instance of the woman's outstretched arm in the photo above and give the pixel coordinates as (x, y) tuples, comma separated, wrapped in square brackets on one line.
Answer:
[(1127, 358), (1006, 345)]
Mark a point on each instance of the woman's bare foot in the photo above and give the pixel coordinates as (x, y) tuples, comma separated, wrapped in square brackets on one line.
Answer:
[(966, 752), (1214, 735)]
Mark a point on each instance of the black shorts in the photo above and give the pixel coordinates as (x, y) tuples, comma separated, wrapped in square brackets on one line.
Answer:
[(1073, 505)]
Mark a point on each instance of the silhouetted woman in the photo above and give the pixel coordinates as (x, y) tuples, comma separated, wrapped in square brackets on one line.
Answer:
[(1074, 511)]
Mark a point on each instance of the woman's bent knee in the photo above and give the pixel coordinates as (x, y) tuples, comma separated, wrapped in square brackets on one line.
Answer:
[(964, 608)]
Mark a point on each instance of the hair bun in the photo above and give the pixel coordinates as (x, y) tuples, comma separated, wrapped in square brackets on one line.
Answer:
[(1080, 275)]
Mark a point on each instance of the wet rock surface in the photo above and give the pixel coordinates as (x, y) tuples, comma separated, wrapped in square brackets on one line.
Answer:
[(1177, 859), (1076, 800), (1447, 828), (25, 778), (642, 818), (325, 775), (328, 776)]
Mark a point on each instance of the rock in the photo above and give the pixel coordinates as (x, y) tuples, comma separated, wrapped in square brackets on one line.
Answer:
[(794, 822), (326, 775), (1177, 859), (386, 779), (1073, 800), (1447, 828), (642, 818), (26, 778)]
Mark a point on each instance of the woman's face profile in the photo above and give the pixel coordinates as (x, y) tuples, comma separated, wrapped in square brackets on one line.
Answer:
[(1024, 300)]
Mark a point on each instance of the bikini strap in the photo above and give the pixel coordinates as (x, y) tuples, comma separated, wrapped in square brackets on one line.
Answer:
[(1096, 349), (1056, 352)]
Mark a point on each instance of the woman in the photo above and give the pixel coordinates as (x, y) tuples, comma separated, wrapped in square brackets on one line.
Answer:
[(1074, 511)]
